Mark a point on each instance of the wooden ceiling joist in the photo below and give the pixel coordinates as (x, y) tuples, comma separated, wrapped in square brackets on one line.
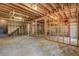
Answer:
[(30, 9), (59, 10)]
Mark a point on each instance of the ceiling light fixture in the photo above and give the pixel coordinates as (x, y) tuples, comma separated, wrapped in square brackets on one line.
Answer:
[(55, 18), (35, 7)]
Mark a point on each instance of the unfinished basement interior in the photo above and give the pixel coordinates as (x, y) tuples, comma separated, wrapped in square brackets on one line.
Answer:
[(39, 29)]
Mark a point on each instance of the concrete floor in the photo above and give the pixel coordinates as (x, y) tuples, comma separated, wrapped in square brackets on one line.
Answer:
[(35, 46)]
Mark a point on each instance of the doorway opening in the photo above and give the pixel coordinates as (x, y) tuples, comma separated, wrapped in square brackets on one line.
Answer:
[(3, 28)]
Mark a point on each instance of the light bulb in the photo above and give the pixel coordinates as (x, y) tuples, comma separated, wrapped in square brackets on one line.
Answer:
[(35, 7)]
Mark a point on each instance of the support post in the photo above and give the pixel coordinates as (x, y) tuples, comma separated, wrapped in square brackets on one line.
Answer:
[(35, 28), (28, 26), (45, 27), (78, 29)]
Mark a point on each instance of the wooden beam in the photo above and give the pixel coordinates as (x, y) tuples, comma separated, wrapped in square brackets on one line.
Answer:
[(11, 8), (62, 9), (32, 10), (33, 15), (25, 8), (47, 11), (7, 11), (18, 10), (52, 9), (54, 5)]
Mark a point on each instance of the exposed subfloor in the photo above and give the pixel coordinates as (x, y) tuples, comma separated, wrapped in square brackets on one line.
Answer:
[(35, 46)]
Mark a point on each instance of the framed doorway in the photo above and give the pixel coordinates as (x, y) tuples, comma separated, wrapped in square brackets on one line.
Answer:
[(40, 27), (3, 28)]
